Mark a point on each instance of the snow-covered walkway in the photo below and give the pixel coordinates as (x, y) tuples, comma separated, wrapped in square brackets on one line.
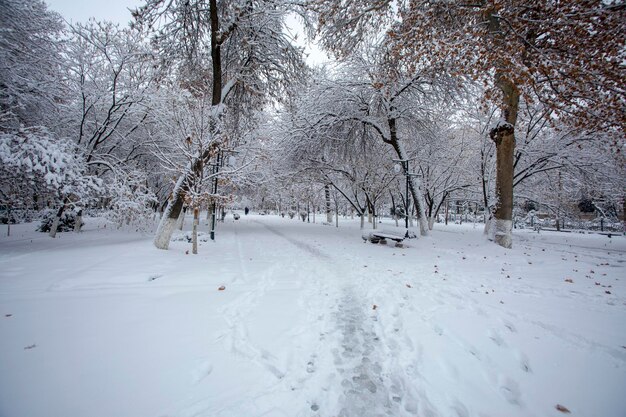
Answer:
[(312, 322)]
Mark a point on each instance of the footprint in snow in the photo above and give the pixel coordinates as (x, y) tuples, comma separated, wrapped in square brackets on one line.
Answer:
[(510, 391), (510, 327), (523, 362), (204, 370), (496, 338)]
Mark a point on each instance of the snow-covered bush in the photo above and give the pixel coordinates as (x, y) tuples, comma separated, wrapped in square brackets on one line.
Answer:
[(130, 201), (32, 161), (66, 223)]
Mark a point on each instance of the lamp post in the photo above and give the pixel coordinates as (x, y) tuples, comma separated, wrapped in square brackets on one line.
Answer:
[(403, 164), (219, 162)]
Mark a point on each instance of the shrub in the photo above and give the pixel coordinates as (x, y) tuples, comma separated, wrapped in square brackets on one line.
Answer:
[(66, 224)]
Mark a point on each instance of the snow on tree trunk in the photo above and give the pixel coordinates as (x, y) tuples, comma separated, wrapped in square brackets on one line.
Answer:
[(79, 221), (488, 226), (329, 214), (413, 188), (362, 220), (503, 134), (431, 223), (194, 232), (418, 201), (624, 212), (181, 219), (170, 216), (57, 220)]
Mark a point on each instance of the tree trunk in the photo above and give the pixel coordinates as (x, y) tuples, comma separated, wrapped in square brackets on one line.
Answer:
[(414, 189), (372, 210), (393, 205), (181, 219), (194, 231), (329, 214), (9, 221), (558, 203), (57, 220), (78, 225), (175, 205), (504, 137), (336, 213), (624, 212), (170, 216)]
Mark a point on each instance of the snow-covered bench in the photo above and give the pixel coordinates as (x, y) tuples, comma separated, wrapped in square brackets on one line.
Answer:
[(381, 236)]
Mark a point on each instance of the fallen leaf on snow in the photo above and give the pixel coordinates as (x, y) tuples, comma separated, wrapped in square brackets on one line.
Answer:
[(571, 281), (562, 409), (374, 307), (30, 346), (222, 288), (408, 285)]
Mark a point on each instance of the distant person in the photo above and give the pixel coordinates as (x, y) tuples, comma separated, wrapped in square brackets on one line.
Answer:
[(246, 210)]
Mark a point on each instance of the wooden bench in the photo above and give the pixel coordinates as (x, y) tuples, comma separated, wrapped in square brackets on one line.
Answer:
[(382, 236)]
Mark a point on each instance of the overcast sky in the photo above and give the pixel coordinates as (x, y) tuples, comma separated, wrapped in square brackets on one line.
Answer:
[(82, 10), (75, 11)]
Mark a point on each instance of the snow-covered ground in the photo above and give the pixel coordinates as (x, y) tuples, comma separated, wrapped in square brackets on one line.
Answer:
[(312, 322)]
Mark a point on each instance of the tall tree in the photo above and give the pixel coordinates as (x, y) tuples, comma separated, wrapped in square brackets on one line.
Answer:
[(568, 55), (250, 59), (31, 65)]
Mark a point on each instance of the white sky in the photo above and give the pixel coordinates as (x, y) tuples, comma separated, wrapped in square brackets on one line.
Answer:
[(75, 11), (81, 10)]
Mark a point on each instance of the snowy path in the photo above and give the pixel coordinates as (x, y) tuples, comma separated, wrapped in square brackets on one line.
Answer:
[(357, 383), (312, 322)]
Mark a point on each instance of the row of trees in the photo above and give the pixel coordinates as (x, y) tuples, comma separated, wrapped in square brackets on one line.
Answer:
[(560, 61), (128, 119), (481, 99)]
